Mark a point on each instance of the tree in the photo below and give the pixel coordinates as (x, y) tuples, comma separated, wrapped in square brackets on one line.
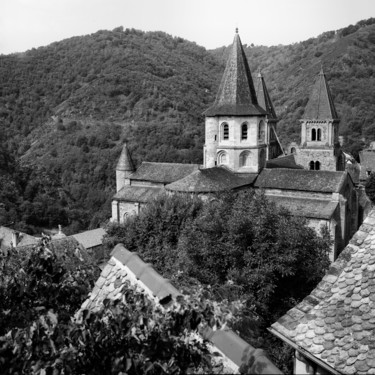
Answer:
[(42, 288)]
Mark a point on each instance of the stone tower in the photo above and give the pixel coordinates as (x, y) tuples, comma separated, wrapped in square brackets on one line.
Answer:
[(236, 126), (320, 149), (124, 169)]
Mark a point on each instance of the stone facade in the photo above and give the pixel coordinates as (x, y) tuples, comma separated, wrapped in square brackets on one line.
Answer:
[(240, 148)]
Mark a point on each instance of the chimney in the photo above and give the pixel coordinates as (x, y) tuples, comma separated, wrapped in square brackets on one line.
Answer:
[(15, 237)]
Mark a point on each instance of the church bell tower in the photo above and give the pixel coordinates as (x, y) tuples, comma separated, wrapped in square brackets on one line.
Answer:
[(320, 149), (236, 126)]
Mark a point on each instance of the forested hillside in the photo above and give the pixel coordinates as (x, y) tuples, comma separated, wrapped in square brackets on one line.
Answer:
[(66, 109), (347, 57)]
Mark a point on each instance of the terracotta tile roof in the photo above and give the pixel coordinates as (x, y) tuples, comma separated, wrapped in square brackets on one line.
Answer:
[(211, 180), (334, 326), (90, 238), (23, 238), (163, 172), (126, 267), (301, 179), (309, 208), (236, 94), (264, 99), (137, 193), (125, 162), (320, 105), (367, 161), (287, 161)]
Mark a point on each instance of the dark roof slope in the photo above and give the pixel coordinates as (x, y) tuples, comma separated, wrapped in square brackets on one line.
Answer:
[(301, 179), (211, 180), (126, 268), (140, 194), (320, 105), (287, 161), (264, 99), (334, 326), (236, 95), (310, 208), (163, 172)]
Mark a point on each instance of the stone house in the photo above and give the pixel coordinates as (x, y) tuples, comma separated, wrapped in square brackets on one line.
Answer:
[(332, 329), (242, 150)]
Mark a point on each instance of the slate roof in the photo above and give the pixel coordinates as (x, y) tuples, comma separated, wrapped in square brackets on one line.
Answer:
[(320, 105), (264, 99), (367, 161), (90, 238), (236, 94), (163, 172), (125, 162), (309, 208), (141, 194), (301, 179), (23, 240), (285, 161), (335, 325), (211, 180), (127, 267)]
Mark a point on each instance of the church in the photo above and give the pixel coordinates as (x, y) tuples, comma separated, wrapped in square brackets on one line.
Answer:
[(242, 151)]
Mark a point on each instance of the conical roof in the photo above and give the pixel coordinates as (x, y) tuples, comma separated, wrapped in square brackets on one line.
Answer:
[(125, 162), (236, 95), (320, 105), (264, 99)]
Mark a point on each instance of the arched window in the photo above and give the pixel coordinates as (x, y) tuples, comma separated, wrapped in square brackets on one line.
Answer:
[(293, 150), (225, 130), (262, 131), (125, 217), (245, 158), (312, 165), (244, 131), (313, 134), (222, 158), (317, 166), (319, 135)]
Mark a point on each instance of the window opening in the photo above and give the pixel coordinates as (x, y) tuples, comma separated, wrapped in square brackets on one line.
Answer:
[(244, 131)]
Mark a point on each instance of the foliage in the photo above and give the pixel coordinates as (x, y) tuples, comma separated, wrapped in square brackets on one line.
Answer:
[(239, 246), (156, 240), (40, 290), (34, 280), (370, 187), (67, 108), (244, 239)]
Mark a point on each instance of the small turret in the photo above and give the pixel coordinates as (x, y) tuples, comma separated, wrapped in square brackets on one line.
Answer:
[(124, 168)]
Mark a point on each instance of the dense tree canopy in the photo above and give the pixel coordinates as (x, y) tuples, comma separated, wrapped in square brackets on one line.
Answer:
[(240, 246), (41, 332)]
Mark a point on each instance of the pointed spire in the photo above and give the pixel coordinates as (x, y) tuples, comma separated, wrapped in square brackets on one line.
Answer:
[(263, 96), (320, 105), (125, 162), (236, 95)]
